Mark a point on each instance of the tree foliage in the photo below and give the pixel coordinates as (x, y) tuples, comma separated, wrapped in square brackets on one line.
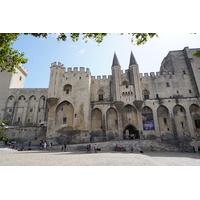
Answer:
[(9, 57)]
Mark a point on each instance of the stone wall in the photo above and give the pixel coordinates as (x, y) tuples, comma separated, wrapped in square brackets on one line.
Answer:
[(24, 134)]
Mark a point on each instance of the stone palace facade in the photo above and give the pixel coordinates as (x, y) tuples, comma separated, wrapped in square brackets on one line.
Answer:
[(124, 105)]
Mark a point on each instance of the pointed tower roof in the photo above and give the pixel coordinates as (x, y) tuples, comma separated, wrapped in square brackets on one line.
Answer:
[(115, 60), (132, 60)]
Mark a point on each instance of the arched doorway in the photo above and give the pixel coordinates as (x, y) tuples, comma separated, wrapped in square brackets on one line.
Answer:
[(130, 132)]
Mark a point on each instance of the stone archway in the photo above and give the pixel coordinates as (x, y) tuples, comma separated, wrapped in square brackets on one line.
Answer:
[(130, 132)]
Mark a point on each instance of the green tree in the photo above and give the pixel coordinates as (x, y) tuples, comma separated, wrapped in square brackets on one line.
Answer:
[(10, 59)]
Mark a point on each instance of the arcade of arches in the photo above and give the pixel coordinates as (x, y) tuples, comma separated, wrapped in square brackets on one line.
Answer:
[(130, 125)]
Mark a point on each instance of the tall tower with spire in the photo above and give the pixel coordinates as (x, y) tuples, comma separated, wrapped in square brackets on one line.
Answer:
[(134, 77), (116, 78)]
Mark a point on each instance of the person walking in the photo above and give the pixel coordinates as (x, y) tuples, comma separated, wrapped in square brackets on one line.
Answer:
[(132, 148), (29, 144), (45, 145), (65, 146), (95, 148), (89, 148)]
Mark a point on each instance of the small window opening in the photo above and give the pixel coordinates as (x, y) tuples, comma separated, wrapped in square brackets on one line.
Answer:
[(167, 84), (20, 78), (67, 91), (157, 96), (177, 92), (184, 72), (18, 119), (31, 109), (197, 123), (64, 120), (146, 96), (181, 109), (182, 124), (165, 120), (190, 91)]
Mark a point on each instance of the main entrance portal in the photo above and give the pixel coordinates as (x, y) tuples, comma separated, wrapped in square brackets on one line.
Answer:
[(130, 132)]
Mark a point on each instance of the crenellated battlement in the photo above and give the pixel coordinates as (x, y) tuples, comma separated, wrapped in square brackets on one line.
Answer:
[(78, 70), (156, 75), (54, 64), (23, 69), (104, 77)]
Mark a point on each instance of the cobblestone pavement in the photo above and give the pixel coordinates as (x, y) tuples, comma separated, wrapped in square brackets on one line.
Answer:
[(9, 157)]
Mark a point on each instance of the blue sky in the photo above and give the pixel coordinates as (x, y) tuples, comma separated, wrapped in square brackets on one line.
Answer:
[(42, 52)]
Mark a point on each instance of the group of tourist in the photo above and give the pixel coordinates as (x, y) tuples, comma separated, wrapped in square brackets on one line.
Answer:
[(121, 148), (14, 144), (64, 146), (187, 149), (89, 148), (44, 145)]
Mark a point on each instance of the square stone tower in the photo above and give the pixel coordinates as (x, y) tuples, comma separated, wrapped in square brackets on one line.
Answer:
[(10, 80)]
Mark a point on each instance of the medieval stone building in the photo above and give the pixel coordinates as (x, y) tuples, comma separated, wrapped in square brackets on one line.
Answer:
[(125, 105)]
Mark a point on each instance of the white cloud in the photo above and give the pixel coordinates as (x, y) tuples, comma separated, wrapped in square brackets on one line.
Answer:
[(81, 51)]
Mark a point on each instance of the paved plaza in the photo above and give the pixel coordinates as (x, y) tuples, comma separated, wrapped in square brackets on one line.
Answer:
[(10, 157)]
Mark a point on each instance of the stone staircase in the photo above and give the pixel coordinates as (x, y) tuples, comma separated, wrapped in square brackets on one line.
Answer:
[(138, 145)]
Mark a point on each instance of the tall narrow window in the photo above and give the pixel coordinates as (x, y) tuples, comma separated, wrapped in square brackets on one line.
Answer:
[(184, 72), (165, 120), (197, 123), (157, 96), (100, 97)]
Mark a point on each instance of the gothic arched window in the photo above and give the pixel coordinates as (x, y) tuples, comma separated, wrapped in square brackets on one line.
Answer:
[(101, 93), (146, 94)]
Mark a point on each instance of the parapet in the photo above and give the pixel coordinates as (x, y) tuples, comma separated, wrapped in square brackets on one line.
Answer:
[(54, 64), (23, 69), (77, 70), (157, 74), (104, 77)]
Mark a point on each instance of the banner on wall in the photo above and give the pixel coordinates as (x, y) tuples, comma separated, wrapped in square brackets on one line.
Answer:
[(147, 120)]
